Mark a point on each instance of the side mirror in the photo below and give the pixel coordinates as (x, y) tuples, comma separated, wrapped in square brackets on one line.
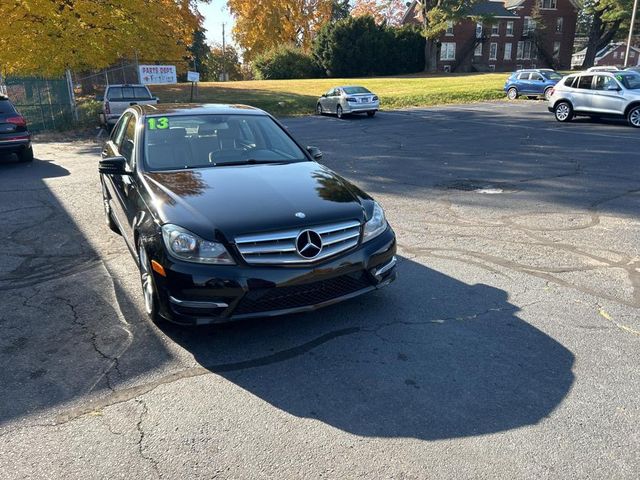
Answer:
[(113, 166), (315, 153)]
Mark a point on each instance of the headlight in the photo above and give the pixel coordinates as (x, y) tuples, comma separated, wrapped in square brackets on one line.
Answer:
[(376, 224), (187, 246)]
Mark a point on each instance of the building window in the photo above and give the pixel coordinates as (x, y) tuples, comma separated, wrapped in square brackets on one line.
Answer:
[(478, 51), (534, 52), (492, 68), (520, 51), (448, 51), (493, 51), (449, 30), (509, 29), (529, 25), (556, 50), (507, 50), (559, 24), (478, 30), (447, 69), (548, 4), (632, 54), (495, 29)]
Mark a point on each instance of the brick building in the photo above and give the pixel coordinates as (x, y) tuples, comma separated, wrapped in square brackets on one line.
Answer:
[(612, 56), (509, 37)]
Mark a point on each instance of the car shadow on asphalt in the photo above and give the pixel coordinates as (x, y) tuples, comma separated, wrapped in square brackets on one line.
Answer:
[(429, 357)]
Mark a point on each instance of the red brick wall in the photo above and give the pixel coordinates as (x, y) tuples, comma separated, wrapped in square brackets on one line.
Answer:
[(618, 61)]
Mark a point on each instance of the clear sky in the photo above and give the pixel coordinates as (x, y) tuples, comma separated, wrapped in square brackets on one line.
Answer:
[(216, 13)]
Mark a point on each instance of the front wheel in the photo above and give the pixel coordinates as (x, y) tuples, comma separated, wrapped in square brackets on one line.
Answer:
[(319, 109), (148, 285), (512, 93), (563, 112), (339, 112), (633, 117), (371, 114)]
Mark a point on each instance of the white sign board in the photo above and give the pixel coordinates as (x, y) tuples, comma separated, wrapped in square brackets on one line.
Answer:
[(157, 74), (193, 77)]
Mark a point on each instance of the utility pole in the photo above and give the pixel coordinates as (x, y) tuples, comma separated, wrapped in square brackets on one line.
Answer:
[(224, 57), (633, 21)]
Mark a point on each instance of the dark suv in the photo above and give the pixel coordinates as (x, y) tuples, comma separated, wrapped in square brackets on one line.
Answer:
[(14, 135)]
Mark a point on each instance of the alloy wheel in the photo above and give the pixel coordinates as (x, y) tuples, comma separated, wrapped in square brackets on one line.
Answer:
[(562, 112), (512, 94), (634, 117), (319, 109), (339, 111)]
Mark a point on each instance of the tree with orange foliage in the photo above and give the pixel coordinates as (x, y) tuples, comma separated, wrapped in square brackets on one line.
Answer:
[(389, 12), (262, 26), (45, 37)]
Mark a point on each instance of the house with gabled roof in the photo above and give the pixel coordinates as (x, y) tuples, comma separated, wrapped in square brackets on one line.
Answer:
[(506, 35), (612, 55)]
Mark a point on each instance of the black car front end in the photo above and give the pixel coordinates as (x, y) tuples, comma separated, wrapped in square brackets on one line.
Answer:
[(190, 293)]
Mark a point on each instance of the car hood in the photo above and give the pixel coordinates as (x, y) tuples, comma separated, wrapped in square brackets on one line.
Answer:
[(223, 202)]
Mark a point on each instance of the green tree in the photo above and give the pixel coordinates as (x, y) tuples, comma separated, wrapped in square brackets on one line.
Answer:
[(199, 54), (604, 20), (340, 9), (228, 62)]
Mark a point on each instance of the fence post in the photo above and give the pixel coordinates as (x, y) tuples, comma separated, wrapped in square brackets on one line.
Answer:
[(72, 97)]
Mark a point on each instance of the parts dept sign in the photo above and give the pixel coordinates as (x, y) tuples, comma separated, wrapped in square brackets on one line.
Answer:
[(157, 74)]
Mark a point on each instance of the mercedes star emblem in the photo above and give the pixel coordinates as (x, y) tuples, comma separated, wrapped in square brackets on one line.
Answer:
[(309, 244)]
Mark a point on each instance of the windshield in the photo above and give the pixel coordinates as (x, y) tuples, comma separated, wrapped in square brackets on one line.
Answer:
[(552, 75), (195, 141), (354, 90), (630, 81), (128, 93)]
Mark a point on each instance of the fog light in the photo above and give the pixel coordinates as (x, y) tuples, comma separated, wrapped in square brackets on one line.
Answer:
[(380, 271)]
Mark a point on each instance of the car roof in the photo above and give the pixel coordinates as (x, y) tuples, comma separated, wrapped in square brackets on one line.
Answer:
[(111, 85), (174, 109), (536, 70)]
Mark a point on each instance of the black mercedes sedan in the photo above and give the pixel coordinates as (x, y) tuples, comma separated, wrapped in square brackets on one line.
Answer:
[(229, 217)]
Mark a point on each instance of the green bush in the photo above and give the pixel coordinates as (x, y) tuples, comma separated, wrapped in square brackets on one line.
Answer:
[(285, 62), (358, 47), (88, 113)]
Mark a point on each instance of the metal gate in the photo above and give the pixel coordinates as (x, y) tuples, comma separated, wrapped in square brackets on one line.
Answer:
[(45, 103)]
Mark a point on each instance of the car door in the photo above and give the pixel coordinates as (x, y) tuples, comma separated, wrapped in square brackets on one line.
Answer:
[(325, 101), (607, 95), (582, 93), (123, 188), (536, 83), (524, 85)]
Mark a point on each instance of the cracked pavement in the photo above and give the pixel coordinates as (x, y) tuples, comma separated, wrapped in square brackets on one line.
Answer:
[(507, 348)]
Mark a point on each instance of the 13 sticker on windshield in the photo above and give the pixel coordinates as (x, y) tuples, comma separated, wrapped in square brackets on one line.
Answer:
[(160, 123)]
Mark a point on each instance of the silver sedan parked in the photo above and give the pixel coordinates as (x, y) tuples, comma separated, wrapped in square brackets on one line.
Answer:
[(345, 100)]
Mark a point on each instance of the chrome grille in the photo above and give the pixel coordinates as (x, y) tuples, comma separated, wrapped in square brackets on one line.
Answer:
[(280, 247)]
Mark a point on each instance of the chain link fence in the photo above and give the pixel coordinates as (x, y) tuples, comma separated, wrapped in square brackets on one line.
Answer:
[(47, 104)]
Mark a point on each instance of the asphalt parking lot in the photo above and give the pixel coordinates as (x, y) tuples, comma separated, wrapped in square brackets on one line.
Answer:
[(507, 348)]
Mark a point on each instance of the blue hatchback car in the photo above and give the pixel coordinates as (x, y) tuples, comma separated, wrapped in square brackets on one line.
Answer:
[(536, 82)]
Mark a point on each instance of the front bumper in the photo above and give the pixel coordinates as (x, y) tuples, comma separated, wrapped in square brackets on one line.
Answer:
[(202, 294)]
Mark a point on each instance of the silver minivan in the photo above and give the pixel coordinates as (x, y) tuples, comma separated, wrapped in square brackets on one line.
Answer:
[(597, 94)]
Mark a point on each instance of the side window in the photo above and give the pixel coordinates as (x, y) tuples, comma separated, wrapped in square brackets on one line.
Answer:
[(604, 83), (523, 76), (536, 76), (569, 81), (126, 146), (118, 130), (585, 82)]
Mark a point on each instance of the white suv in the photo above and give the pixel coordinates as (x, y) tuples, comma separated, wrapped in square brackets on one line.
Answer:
[(598, 94)]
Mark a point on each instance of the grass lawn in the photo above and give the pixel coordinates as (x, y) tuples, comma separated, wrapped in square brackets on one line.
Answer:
[(298, 97)]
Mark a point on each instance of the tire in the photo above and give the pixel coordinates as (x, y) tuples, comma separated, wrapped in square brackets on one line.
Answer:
[(547, 93), (26, 155), (319, 109), (563, 112), (633, 117), (371, 114), (149, 292), (339, 111), (512, 93)]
